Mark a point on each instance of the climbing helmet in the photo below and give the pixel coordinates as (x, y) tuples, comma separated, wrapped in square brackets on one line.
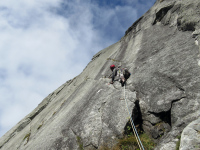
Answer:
[(112, 66)]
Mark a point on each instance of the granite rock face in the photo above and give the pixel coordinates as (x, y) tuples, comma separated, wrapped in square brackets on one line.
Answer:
[(161, 50), (190, 136)]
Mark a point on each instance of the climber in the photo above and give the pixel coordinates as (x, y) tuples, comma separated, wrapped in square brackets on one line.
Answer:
[(123, 74), (114, 73)]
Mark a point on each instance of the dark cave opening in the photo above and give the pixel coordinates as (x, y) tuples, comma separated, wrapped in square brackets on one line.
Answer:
[(166, 117), (161, 13), (163, 126)]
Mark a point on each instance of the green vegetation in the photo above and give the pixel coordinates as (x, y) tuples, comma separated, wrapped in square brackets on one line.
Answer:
[(27, 136), (178, 143), (197, 147), (39, 126), (80, 143), (54, 113), (147, 142), (62, 104), (130, 143)]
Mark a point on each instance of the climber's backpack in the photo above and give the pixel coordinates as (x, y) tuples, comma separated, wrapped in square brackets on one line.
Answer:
[(126, 73)]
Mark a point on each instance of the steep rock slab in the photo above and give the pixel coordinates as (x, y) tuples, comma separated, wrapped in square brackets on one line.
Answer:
[(78, 110)]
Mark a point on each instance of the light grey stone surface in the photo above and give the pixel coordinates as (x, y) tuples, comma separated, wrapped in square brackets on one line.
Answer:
[(190, 137), (161, 51)]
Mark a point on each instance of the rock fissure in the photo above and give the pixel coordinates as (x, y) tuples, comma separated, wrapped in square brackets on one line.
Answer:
[(60, 90), (198, 131), (96, 56), (38, 111), (176, 84), (161, 13), (10, 137), (101, 131), (73, 132), (91, 145), (170, 79), (176, 100), (43, 106)]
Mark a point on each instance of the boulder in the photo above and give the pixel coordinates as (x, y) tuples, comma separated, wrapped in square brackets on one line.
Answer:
[(190, 136)]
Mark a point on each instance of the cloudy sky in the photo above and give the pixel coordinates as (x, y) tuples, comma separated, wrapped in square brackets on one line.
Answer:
[(44, 43)]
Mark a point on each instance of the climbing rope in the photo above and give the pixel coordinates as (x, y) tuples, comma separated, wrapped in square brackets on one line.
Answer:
[(132, 124)]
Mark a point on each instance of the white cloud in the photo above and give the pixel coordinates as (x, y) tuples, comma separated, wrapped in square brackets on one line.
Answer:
[(45, 43)]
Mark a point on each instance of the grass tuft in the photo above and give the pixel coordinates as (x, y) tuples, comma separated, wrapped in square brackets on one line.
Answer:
[(178, 143), (39, 126), (130, 143), (80, 143)]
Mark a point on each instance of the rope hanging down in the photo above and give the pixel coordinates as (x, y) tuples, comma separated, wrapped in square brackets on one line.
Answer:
[(132, 124)]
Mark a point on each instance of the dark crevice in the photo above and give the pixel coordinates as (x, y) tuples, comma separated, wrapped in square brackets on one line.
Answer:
[(165, 116), (38, 111), (161, 13), (190, 26), (137, 119), (11, 136), (164, 125), (60, 90), (196, 130), (96, 56), (91, 145)]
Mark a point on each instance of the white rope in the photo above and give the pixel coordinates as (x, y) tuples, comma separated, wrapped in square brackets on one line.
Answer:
[(133, 126)]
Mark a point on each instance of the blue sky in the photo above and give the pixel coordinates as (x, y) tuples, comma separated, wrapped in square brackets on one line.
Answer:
[(45, 43)]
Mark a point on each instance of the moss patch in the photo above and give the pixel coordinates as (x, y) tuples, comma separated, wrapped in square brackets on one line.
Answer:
[(178, 143), (39, 126), (130, 143), (54, 113), (80, 143), (27, 136)]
